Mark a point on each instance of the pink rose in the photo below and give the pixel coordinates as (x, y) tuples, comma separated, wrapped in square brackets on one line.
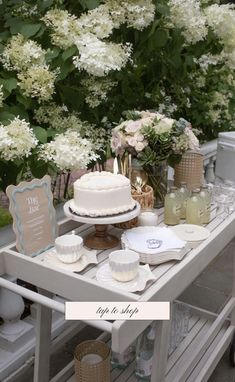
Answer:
[(117, 142), (193, 141), (140, 146), (131, 141), (133, 126), (139, 137)]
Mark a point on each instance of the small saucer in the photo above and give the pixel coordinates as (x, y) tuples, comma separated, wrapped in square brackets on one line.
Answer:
[(138, 284), (193, 234), (88, 257)]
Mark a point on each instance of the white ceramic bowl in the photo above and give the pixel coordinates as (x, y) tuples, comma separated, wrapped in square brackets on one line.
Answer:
[(124, 264), (69, 248)]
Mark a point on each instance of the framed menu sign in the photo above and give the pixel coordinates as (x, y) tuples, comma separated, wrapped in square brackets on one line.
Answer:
[(34, 218)]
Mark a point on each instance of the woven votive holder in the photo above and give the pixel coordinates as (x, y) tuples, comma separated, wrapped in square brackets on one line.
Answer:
[(145, 199), (189, 170), (92, 362)]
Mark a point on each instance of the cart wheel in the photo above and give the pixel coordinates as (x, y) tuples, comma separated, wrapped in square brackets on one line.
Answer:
[(232, 352)]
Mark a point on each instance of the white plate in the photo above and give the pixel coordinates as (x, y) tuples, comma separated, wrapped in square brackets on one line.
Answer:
[(138, 284), (191, 232), (88, 257)]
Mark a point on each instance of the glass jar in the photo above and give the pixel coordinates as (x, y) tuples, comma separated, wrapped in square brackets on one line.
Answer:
[(184, 194), (194, 208), (206, 199)]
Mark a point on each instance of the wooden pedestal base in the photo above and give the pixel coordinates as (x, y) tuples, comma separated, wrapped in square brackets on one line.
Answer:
[(101, 239)]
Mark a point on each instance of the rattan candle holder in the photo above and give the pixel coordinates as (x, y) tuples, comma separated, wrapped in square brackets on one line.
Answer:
[(145, 199), (92, 362)]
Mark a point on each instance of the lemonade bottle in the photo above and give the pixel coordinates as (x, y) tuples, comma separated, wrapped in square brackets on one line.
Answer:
[(195, 208), (172, 207)]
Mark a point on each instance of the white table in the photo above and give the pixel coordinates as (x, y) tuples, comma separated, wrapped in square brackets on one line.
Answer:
[(198, 354)]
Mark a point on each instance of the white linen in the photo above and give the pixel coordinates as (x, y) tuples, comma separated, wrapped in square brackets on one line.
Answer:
[(158, 240)]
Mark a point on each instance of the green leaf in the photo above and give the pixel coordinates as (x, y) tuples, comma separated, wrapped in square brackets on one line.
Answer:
[(6, 117), (5, 217), (15, 25), (71, 96), (9, 84), (4, 36), (69, 52), (38, 167), (161, 37), (41, 134), (51, 133), (23, 100), (18, 110), (153, 28), (65, 69), (89, 4), (52, 53), (163, 9), (45, 4), (29, 30)]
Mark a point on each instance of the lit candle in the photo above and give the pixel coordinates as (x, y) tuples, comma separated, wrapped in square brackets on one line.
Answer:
[(148, 218), (115, 166), (92, 359)]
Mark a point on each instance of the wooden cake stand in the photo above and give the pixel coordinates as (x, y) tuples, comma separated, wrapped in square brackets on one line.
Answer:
[(101, 239)]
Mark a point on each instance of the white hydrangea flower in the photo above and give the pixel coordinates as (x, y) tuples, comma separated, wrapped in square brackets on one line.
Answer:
[(97, 89), (136, 14), (64, 26), (139, 13), (20, 54), (16, 140), (187, 15), (98, 58), (207, 59), (58, 117), (1, 95), (221, 18), (97, 21), (38, 82), (117, 12), (229, 58), (69, 151), (25, 10), (180, 144), (219, 107)]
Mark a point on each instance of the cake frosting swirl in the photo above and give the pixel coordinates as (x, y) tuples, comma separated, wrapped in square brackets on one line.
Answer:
[(102, 194)]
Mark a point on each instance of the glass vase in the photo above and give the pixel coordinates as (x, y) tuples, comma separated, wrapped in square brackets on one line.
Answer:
[(124, 165), (157, 179)]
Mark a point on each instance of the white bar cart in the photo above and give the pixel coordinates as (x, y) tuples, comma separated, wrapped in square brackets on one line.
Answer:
[(197, 355)]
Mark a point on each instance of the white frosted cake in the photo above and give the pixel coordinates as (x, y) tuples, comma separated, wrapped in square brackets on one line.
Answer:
[(102, 194)]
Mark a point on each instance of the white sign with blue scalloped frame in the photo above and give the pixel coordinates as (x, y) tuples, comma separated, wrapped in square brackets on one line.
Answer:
[(34, 217)]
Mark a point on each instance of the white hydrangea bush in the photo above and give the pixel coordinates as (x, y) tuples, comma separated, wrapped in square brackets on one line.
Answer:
[(78, 66)]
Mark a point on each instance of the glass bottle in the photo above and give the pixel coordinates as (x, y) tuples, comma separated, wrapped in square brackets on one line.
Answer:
[(184, 194), (172, 207), (194, 208), (206, 199), (122, 360), (144, 353)]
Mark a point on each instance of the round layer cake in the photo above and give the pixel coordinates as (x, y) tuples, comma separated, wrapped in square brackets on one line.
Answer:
[(102, 194)]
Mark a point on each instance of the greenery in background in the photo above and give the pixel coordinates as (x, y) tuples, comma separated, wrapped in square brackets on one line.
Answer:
[(181, 63), (5, 217)]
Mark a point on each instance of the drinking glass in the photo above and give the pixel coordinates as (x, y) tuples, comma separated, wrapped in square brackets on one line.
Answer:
[(223, 195)]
